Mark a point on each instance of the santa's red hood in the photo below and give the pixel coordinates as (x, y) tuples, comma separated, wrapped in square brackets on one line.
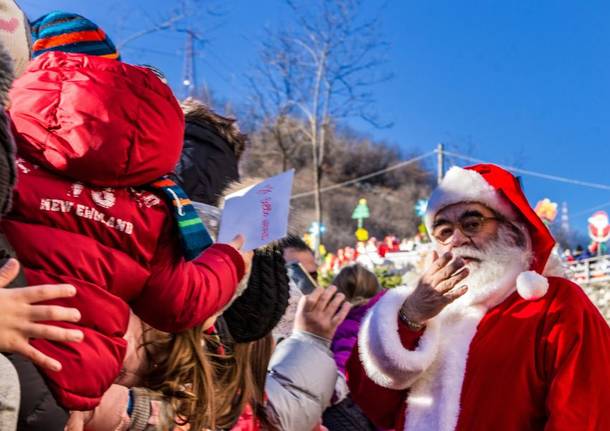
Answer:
[(96, 120)]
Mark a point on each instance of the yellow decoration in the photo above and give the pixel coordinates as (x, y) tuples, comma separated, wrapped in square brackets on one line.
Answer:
[(362, 234), (322, 250), (546, 210), (308, 240)]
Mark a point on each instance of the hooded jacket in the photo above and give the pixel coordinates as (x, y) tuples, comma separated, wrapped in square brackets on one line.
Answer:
[(90, 133), (346, 336)]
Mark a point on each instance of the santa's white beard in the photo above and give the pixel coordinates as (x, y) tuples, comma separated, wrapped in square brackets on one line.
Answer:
[(494, 276)]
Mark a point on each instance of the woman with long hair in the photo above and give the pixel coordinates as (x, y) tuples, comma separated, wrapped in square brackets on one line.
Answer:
[(300, 377)]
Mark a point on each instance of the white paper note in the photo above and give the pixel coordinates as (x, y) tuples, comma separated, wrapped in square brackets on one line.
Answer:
[(259, 212)]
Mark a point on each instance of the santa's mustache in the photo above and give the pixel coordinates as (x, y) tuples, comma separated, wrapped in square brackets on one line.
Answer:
[(469, 252)]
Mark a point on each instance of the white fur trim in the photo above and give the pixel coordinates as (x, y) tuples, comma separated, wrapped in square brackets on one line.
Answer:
[(532, 285), (434, 398), (465, 185), (382, 354)]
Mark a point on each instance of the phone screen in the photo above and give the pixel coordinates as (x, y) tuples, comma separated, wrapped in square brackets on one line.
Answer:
[(301, 278)]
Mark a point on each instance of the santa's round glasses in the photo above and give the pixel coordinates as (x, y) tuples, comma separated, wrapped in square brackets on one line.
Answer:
[(469, 225)]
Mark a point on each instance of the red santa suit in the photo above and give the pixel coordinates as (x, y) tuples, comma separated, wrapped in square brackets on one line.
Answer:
[(529, 354)]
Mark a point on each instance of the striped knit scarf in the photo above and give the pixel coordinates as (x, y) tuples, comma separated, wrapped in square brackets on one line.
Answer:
[(194, 237)]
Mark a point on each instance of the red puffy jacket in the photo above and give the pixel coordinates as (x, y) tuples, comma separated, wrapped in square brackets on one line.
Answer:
[(88, 128)]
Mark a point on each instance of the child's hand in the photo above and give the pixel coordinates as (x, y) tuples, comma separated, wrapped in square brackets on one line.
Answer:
[(18, 317), (238, 243), (321, 312)]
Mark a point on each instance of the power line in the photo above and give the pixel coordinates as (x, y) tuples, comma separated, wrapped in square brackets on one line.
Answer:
[(587, 211), (152, 51), (534, 174), (367, 176)]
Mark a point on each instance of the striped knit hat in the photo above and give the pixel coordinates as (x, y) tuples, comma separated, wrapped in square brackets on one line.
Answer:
[(69, 32)]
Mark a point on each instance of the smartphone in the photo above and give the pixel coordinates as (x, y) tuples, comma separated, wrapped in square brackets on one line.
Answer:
[(301, 278)]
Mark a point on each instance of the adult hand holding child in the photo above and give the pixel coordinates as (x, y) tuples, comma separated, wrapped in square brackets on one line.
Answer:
[(19, 317)]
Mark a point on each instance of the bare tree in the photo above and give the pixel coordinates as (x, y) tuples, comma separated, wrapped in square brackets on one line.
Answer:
[(166, 24), (321, 71), (272, 103)]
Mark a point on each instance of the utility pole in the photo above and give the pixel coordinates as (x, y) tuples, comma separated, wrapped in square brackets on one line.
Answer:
[(440, 163), (565, 221), (189, 73)]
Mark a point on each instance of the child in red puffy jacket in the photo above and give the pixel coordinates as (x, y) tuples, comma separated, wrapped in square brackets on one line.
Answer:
[(92, 135)]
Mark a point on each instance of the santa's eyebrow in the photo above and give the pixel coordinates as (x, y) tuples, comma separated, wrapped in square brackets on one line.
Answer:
[(469, 213), (440, 222), (472, 213)]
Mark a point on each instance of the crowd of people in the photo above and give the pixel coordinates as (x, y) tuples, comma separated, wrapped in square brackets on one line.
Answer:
[(119, 311), (580, 253), (373, 252)]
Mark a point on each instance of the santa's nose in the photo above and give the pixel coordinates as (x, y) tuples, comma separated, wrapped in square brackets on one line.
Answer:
[(458, 239)]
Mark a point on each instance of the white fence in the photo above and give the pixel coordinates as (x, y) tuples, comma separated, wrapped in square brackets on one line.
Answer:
[(404, 259), (589, 271)]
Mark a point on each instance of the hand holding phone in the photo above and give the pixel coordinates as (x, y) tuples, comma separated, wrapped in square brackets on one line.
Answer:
[(321, 312)]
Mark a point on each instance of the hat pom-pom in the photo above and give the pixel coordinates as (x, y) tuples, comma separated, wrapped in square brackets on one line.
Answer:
[(532, 285)]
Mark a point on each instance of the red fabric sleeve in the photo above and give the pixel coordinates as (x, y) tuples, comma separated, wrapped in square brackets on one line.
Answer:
[(576, 351), (409, 338), (384, 407), (180, 295)]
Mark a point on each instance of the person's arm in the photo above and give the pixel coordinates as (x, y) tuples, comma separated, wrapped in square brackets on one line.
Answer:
[(388, 357), (576, 351), (301, 378), (382, 406), (408, 314), (19, 317), (302, 372), (180, 294)]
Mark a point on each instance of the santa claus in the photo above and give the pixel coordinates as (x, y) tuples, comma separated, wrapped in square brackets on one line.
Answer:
[(486, 339)]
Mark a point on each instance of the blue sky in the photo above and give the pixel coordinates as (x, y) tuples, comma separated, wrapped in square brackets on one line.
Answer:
[(524, 83)]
